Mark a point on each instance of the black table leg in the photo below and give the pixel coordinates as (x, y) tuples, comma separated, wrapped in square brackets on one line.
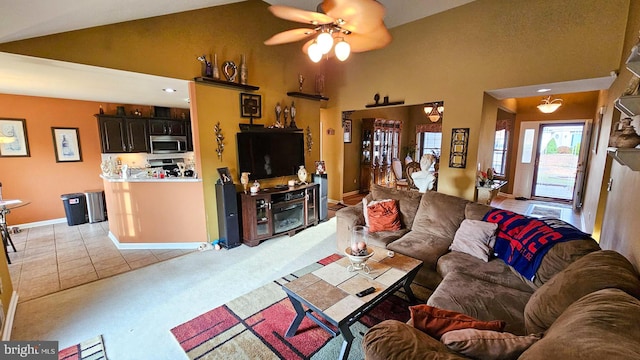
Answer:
[(5, 241), (300, 314), (347, 337)]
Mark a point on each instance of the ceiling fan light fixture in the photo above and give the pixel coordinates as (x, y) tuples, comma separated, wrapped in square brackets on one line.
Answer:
[(314, 52), (343, 50), (548, 106), (325, 42)]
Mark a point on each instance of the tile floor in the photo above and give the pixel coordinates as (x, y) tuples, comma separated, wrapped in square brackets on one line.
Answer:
[(56, 257)]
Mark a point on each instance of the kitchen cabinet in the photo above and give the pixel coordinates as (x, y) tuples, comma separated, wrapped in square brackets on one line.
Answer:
[(120, 134), (167, 127), (273, 212), (380, 143)]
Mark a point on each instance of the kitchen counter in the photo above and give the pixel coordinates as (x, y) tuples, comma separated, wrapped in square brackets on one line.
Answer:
[(156, 213), (148, 179)]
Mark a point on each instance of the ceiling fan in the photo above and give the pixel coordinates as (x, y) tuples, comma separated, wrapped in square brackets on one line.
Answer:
[(356, 25)]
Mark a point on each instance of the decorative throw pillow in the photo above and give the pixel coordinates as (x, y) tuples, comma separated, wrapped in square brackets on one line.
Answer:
[(476, 238), (436, 322), (487, 344), (383, 215)]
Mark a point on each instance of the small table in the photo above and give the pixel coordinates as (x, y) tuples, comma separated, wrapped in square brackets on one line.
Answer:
[(5, 208), (329, 292), (487, 193)]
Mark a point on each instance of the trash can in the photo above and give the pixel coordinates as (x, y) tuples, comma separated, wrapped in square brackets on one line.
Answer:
[(75, 207), (95, 205)]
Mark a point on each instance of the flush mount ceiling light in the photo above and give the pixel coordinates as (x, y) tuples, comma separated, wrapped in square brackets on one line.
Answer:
[(543, 90), (169, 90), (342, 25), (548, 106), (434, 111)]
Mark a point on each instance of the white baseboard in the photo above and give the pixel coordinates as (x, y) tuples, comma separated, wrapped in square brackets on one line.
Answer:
[(41, 223), (11, 314), (331, 201), (152, 246)]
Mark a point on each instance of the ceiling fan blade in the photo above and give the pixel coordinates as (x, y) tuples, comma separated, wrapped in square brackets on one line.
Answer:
[(359, 15), (369, 41), (288, 36), (301, 16)]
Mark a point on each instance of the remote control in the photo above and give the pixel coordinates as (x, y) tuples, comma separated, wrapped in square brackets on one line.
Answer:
[(365, 292)]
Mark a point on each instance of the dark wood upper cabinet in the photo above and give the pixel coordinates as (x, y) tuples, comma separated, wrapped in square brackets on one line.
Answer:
[(120, 135), (167, 127)]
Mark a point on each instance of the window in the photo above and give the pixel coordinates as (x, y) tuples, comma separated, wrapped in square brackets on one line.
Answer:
[(499, 163), (430, 142)]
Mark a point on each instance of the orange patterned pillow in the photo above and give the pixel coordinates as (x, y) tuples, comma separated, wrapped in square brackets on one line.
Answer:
[(435, 322), (383, 216)]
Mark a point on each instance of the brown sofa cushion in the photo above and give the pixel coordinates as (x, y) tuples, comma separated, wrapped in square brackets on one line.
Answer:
[(408, 202), (439, 214), (482, 300), (494, 271), (595, 271), (435, 322), (602, 325), (476, 211), (487, 344), (560, 256), (395, 340)]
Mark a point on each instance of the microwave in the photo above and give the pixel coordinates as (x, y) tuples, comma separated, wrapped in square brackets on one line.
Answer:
[(168, 144)]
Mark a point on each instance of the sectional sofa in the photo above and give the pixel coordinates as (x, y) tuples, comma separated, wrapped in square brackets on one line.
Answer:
[(581, 303)]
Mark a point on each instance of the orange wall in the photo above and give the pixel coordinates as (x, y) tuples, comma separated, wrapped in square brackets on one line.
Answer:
[(39, 178)]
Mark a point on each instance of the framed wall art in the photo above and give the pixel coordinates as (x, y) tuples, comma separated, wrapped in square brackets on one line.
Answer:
[(13, 138), (66, 144), (459, 142), (347, 130), (250, 106)]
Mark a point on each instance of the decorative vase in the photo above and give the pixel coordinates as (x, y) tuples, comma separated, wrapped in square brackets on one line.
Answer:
[(243, 70), (628, 138), (216, 73), (244, 180), (302, 174)]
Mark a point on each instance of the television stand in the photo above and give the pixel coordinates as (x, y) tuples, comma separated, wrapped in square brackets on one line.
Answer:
[(275, 212)]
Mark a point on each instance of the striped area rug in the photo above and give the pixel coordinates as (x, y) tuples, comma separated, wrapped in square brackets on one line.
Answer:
[(253, 326), (92, 349)]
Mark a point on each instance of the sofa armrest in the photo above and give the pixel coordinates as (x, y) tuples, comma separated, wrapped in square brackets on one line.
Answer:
[(347, 218)]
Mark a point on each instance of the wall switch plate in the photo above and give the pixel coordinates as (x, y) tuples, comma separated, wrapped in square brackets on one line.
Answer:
[(609, 184)]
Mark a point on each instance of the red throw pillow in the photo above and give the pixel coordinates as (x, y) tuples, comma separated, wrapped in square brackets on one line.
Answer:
[(383, 216), (435, 322)]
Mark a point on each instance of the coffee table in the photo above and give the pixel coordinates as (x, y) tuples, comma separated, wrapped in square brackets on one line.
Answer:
[(329, 292)]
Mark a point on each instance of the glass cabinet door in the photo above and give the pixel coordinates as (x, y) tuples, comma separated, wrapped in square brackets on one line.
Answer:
[(263, 208), (311, 206)]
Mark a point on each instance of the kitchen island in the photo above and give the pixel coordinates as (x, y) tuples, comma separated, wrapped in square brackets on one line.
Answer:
[(151, 213)]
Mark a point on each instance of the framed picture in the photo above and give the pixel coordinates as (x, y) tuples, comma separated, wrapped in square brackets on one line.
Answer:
[(347, 131), (459, 142), (225, 176), (13, 138), (250, 105), (320, 167), (66, 143)]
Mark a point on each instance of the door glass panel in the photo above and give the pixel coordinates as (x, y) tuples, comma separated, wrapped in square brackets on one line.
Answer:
[(557, 161), (527, 146)]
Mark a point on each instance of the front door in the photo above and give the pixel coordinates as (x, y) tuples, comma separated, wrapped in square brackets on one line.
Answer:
[(557, 159)]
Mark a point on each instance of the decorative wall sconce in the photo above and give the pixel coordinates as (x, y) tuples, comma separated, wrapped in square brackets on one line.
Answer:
[(434, 111), (309, 139), (548, 106), (217, 129)]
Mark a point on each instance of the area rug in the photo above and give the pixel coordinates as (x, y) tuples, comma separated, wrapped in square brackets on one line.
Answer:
[(337, 206), (253, 326), (92, 349), (537, 210)]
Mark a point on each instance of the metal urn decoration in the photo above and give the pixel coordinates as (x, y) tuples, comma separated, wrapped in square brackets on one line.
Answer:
[(292, 111), (309, 139), (243, 70), (300, 82), (217, 129)]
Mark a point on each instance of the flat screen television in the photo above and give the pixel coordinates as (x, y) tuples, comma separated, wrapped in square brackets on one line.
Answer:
[(267, 154)]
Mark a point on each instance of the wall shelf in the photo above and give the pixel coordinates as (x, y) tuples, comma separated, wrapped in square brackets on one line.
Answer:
[(629, 105), (215, 82), (401, 102), (307, 96), (626, 157)]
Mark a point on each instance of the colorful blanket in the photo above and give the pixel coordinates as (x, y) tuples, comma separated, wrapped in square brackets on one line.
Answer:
[(523, 241)]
